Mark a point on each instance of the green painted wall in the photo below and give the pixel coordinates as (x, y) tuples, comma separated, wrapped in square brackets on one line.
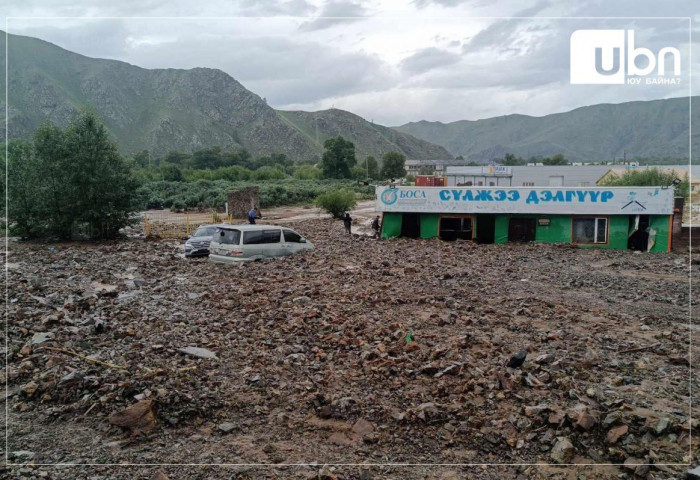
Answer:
[(660, 224), (429, 225), (558, 230), (391, 225), (501, 234)]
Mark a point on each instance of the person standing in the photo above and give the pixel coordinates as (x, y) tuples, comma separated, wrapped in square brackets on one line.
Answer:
[(348, 223), (375, 226), (253, 214)]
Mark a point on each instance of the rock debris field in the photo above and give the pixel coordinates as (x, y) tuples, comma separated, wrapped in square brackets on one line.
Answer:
[(363, 351)]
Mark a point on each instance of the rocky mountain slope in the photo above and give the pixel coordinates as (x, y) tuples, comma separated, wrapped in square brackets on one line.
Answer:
[(171, 109), (657, 128), (367, 137)]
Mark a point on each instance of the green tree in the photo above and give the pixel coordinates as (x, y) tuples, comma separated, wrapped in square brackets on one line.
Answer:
[(393, 165), (652, 177), (369, 167), (557, 159), (425, 170), (307, 172), (511, 160), (24, 200), (177, 158), (337, 202), (171, 173), (338, 158), (100, 183), (240, 157), (55, 193), (143, 159), (207, 158)]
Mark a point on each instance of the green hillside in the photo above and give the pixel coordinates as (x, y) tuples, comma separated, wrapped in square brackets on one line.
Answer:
[(657, 128), (167, 109), (369, 138)]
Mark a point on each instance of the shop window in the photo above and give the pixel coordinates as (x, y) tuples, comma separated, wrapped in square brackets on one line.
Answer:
[(456, 228), (528, 184), (590, 230)]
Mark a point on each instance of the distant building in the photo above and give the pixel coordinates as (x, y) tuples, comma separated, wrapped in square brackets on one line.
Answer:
[(438, 165), (525, 176)]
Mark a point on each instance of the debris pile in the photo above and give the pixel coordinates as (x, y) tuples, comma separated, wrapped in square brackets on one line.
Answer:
[(378, 351)]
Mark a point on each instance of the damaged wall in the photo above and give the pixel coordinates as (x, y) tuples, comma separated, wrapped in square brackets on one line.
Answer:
[(240, 202)]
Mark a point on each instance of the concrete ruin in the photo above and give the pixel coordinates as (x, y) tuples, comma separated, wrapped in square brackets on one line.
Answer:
[(241, 201)]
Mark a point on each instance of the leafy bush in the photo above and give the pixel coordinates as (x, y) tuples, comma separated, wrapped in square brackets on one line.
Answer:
[(212, 194), (652, 177), (337, 202), (307, 172), (268, 173)]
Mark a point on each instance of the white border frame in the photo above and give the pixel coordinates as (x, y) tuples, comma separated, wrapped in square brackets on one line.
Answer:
[(316, 464)]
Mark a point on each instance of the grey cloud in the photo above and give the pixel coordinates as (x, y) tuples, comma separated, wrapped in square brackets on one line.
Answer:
[(96, 38), (332, 14), (503, 32), (428, 59), (154, 8), (275, 7), (281, 69), (448, 3)]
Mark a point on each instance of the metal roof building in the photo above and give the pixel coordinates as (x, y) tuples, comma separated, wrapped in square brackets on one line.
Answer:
[(540, 176)]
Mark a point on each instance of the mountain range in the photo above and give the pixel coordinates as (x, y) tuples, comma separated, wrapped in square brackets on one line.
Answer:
[(656, 128), (161, 110), (172, 109)]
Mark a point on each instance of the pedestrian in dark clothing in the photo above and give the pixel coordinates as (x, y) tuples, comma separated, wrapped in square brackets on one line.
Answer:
[(253, 214), (348, 223), (376, 226)]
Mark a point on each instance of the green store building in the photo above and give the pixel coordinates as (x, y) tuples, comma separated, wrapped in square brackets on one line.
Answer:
[(638, 218)]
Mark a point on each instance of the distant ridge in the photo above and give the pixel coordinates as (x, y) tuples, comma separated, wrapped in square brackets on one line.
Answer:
[(171, 109), (656, 128)]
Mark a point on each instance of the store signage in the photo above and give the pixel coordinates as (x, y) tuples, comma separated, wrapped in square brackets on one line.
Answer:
[(605, 200)]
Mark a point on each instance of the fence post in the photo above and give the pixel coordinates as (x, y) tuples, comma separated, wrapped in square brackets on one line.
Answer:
[(187, 224)]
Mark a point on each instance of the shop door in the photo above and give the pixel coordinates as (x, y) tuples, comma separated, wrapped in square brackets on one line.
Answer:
[(485, 228), (522, 229), (410, 225)]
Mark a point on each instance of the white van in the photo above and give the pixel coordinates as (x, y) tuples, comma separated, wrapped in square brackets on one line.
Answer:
[(245, 243)]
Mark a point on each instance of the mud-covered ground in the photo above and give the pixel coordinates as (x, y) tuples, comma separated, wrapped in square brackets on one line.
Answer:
[(361, 352)]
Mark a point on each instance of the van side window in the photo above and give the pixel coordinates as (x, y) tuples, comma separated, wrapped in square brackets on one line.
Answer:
[(252, 238), (292, 236), (271, 236), (228, 237)]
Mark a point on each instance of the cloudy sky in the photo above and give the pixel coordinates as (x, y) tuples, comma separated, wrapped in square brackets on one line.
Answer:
[(389, 62)]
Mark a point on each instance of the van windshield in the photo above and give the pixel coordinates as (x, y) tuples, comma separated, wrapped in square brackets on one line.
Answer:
[(204, 232), (228, 237)]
